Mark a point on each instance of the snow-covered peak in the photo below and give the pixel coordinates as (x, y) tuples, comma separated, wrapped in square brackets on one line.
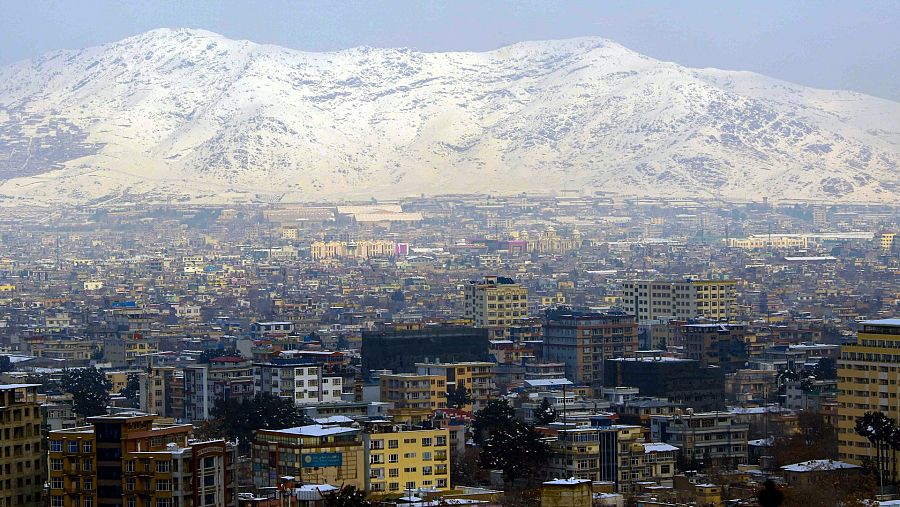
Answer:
[(187, 113)]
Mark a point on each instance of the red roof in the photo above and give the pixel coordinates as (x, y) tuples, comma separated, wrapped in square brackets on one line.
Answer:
[(227, 359)]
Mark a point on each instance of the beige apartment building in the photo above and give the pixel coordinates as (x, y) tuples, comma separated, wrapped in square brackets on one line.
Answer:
[(496, 303), (685, 299)]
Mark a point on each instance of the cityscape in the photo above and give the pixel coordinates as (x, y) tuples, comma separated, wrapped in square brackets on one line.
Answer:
[(553, 274)]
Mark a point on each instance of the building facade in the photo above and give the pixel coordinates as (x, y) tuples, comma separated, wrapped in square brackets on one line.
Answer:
[(650, 300), (496, 303), (22, 465), (127, 460), (868, 380), (583, 341)]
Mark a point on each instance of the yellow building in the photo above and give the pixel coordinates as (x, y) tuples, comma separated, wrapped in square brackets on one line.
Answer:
[(22, 466), (312, 454), (567, 493), (403, 460), (415, 397), (886, 239), (868, 376), (496, 303), (476, 376), (128, 459), (360, 249)]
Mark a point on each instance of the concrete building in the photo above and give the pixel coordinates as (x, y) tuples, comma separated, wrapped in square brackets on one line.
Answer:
[(496, 303), (312, 454), (583, 341), (229, 378), (414, 397), (399, 348), (22, 466), (400, 460), (479, 377), (127, 460), (682, 381), (650, 300), (704, 439), (303, 383), (868, 379), (722, 345)]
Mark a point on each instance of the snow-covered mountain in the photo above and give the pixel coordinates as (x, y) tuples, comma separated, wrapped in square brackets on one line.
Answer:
[(191, 115)]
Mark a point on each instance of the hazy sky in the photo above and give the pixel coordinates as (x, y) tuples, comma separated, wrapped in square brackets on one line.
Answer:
[(846, 44)]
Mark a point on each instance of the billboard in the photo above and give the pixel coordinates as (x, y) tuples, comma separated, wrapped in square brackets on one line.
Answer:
[(322, 459)]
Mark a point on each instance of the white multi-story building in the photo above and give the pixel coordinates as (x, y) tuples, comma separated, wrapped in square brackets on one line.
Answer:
[(304, 383)]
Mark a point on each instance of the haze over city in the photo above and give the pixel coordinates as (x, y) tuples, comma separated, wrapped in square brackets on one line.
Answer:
[(514, 254)]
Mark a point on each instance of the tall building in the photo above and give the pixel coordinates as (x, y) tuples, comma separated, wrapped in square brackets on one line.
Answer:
[(415, 397), (886, 240), (868, 375), (476, 376), (22, 466), (401, 460), (399, 349), (229, 378), (126, 460), (583, 341), (496, 303), (304, 383), (651, 300)]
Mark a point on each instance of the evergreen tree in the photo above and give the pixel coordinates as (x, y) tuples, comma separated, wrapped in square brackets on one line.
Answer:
[(238, 420), (458, 396), (497, 414), (132, 388), (89, 388), (207, 355), (545, 414)]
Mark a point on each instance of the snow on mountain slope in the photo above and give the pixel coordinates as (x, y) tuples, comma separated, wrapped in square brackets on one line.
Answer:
[(191, 115)]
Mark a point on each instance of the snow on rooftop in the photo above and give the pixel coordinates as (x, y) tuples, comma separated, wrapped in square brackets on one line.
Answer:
[(318, 430), (658, 447), (569, 481), (816, 465)]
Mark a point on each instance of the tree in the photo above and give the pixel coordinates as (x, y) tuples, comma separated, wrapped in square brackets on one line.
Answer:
[(239, 419), (516, 449), (132, 387), (89, 388), (825, 369), (877, 428), (347, 496), (458, 396), (207, 355), (545, 414), (497, 414)]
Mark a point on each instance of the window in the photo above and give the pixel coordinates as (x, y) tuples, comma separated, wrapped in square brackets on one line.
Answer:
[(393, 458), (56, 483), (164, 485), (73, 445), (88, 465), (411, 485), (163, 466), (56, 501), (56, 464), (56, 446), (88, 501), (88, 484), (426, 442), (393, 444), (129, 484), (129, 465), (87, 447)]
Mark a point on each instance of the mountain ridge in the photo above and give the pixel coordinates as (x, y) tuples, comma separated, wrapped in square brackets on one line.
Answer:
[(188, 114)]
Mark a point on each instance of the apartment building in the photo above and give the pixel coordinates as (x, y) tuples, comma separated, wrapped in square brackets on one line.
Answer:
[(479, 377), (722, 345), (127, 460), (304, 383), (312, 454), (229, 378), (22, 465), (616, 453), (583, 341), (704, 439), (868, 380), (400, 460), (650, 300), (496, 303), (130, 351), (414, 397)]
